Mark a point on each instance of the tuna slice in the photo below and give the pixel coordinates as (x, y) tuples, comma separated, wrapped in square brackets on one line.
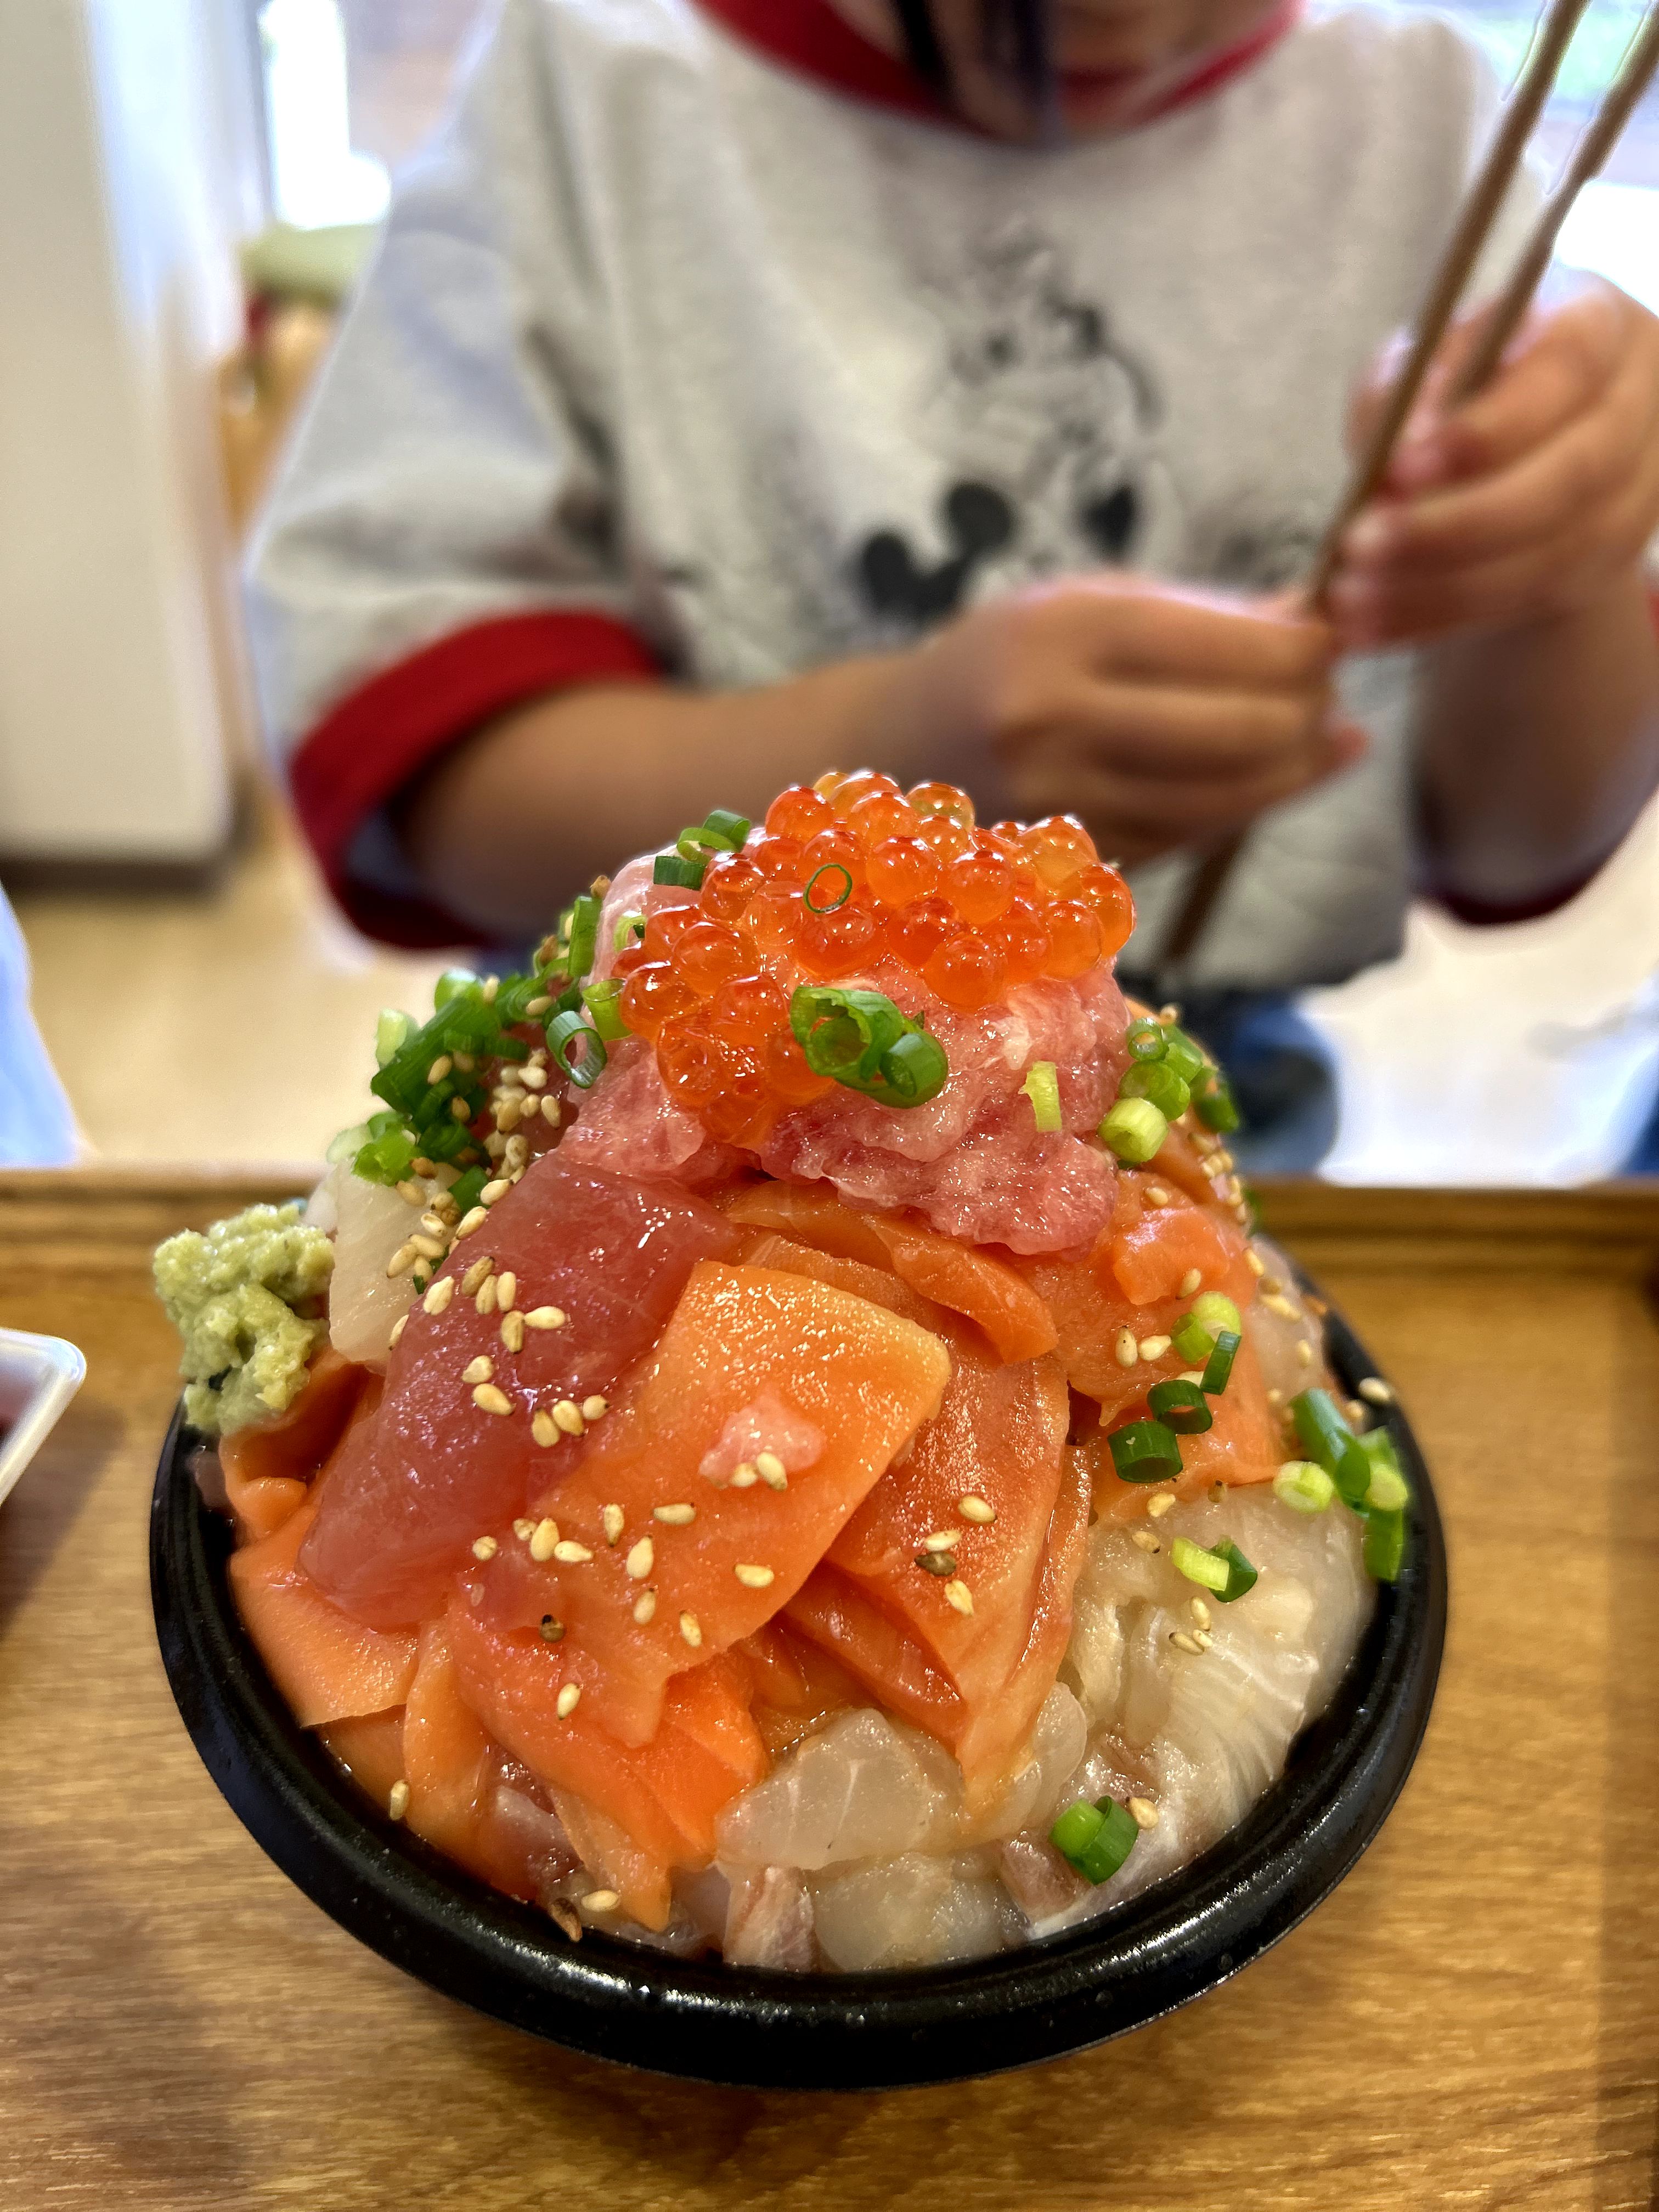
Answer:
[(268, 1468), (612, 1255), (659, 1563)]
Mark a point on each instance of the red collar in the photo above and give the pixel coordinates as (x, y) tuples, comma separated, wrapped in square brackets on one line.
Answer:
[(810, 36)]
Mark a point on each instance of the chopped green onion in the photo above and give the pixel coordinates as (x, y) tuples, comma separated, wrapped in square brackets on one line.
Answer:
[(1135, 1130), (468, 1190), (1145, 1039), (1182, 1057), (1214, 1312), (1157, 1080), (1332, 1442), (1388, 1491), (1199, 1566), (1303, 1486), (391, 1033), (732, 829), (915, 1069), (1144, 1451), (1385, 1545), (453, 983), (1219, 1364), (600, 1000), (1192, 1339), (628, 925), (861, 1039), (699, 843), (563, 1031), (1180, 1407), (445, 1140), (348, 1143), (829, 904), (675, 868), (1111, 1845), (584, 936), (1213, 1101), (1241, 1575), (1077, 1829), (1041, 1087), (385, 1159)]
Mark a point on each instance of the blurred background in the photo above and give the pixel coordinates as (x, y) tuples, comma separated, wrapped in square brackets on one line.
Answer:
[(187, 188)]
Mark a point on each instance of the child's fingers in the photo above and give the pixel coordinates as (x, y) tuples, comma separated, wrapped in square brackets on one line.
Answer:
[(1152, 813), (1144, 635)]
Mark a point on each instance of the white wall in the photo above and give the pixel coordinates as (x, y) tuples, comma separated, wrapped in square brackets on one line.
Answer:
[(125, 169)]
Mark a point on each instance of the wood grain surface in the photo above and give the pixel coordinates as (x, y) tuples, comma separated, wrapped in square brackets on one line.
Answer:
[(1471, 2021)]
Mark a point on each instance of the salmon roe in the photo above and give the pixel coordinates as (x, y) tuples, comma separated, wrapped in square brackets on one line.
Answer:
[(892, 876)]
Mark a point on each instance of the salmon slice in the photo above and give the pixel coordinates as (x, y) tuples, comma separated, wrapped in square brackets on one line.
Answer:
[(1243, 1445), (370, 1748), (327, 1666), (793, 1685), (269, 1467), (749, 1351), (608, 1254), (989, 1290), (448, 1760), (663, 1797)]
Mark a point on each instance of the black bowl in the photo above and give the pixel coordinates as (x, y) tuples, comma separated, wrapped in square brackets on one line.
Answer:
[(743, 2027)]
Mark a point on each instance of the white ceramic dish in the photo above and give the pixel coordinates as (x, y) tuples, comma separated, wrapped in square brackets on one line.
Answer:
[(38, 1376)]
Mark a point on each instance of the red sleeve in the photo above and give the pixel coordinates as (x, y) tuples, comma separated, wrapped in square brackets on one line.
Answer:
[(372, 744)]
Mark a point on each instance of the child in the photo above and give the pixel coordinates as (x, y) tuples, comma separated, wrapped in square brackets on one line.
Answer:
[(747, 386)]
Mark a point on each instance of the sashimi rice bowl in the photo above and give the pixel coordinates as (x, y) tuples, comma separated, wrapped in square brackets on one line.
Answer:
[(777, 1439)]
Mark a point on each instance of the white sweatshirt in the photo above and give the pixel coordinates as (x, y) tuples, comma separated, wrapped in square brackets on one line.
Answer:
[(675, 358)]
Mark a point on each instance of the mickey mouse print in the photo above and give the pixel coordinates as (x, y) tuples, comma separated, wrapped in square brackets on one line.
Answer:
[(1047, 428)]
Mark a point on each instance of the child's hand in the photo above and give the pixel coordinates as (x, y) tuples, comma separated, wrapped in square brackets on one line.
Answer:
[(1163, 717), (1536, 497)]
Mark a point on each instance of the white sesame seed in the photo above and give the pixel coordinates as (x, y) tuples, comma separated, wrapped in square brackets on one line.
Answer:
[(744, 1475), (411, 1193), (538, 1006), (1376, 1390), (507, 1291), (494, 1193), (1190, 1281), (440, 1069), (513, 1332), (1255, 1263), (397, 1328), (601, 1900), (1182, 1642), (515, 1152), (1199, 1611), (568, 1698), (481, 1370), (1304, 1352), (485, 1547), (397, 1803), (595, 1408), (506, 1111), (544, 1541), (754, 1577), (469, 1222), (459, 1110), (1275, 1397), (1127, 1351), (611, 1520), (1141, 1811), (544, 1317), (420, 1275), (958, 1594), (401, 1261), (550, 1110), (1157, 1195), (1169, 1013), (691, 1630), (544, 1428), (494, 1144), (1146, 1540), (1272, 1285), (435, 1224), (533, 1078), (436, 1300), (1282, 1307), (640, 1559), (1158, 1506), (644, 1607), (571, 1554), (1203, 1638), (771, 1470), (1217, 1491), (977, 1508), (676, 1516), (523, 1530), (567, 1415), (1154, 1347), (485, 1301), (475, 1275), (491, 985), (489, 1400), (940, 1541)]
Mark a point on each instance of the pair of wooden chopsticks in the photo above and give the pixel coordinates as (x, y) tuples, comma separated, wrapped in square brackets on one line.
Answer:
[(1469, 236)]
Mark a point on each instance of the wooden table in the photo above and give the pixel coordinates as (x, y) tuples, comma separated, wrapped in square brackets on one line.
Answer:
[(1471, 2021)]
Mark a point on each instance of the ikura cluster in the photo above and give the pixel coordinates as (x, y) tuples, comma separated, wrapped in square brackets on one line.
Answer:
[(847, 873)]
